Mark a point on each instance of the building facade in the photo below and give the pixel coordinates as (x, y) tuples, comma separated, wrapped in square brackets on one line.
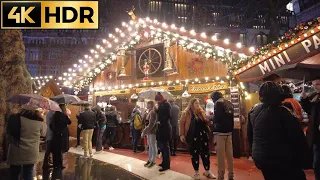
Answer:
[(303, 10), (240, 21), (53, 52)]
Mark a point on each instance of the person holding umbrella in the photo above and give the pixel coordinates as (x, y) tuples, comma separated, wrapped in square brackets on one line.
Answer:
[(164, 130), (24, 131), (60, 140), (311, 105)]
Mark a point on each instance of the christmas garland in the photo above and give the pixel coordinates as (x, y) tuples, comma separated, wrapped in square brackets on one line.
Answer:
[(299, 30), (192, 65)]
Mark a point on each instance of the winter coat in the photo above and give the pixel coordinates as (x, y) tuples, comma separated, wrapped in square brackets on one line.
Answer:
[(87, 119), (49, 118), (185, 123), (59, 127), (223, 118), (311, 105), (164, 130), (174, 115), (112, 119), (151, 128), (276, 138), (28, 150)]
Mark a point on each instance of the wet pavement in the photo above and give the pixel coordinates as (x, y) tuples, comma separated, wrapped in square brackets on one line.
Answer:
[(78, 168)]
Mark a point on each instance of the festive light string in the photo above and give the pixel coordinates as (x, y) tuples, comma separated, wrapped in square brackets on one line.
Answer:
[(99, 53), (210, 51), (184, 83), (270, 50)]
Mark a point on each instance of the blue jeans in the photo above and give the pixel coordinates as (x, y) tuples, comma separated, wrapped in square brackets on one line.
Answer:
[(152, 147), (136, 134), (165, 150), (316, 160), (15, 172)]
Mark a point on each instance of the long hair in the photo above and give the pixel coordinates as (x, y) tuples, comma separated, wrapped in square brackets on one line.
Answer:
[(199, 113), (151, 103)]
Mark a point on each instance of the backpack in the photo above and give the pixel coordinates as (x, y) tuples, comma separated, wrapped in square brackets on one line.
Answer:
[(137, 122)]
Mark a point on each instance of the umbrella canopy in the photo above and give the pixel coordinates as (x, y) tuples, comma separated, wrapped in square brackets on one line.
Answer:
[(299, 71), (35, 100), (152, 92), (80, 103), (65, 99)]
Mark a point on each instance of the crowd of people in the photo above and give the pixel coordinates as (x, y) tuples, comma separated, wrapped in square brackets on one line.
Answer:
[(278, 144)]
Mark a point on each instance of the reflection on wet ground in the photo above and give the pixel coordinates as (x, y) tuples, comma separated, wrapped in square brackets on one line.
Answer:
[(79, 168)]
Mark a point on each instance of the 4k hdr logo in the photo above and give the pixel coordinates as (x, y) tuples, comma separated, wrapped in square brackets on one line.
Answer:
[(49, 15)]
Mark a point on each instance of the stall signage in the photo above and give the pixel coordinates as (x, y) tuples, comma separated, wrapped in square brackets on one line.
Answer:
[(112, 92), (294, 54), (167, 88), (203, 88)]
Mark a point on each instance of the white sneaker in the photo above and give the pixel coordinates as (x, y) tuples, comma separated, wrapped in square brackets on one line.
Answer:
[(111, 148), (209, 175), (196, 176)]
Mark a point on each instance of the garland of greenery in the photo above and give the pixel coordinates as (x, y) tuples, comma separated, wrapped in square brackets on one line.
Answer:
[(293, 33)]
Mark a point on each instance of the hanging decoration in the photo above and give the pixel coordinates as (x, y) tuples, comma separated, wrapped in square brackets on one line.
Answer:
[(196, 65), (146, 69)]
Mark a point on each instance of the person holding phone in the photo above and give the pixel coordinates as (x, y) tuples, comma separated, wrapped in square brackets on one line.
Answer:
[(194, 130)]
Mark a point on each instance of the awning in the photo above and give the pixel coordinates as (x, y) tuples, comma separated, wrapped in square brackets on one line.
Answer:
[(305, 50)]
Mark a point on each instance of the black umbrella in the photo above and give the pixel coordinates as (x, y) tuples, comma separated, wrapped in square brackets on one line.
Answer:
[(306, 72), (65, 99), (80, 103)]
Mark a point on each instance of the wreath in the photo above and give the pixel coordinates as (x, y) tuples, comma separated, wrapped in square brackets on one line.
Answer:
[(196, 65)]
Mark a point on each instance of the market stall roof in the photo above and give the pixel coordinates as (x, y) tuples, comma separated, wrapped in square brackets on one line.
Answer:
[(301, 45), (145, 30)]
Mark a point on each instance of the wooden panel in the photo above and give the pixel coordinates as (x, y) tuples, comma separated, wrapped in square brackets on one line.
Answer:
[(168, 88), (211, 68), (112, 92), (203, 88), (74, 122)]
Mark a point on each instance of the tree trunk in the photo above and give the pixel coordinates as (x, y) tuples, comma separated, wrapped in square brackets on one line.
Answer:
[(14, 77)]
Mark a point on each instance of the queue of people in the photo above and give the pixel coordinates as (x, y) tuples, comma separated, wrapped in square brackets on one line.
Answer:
[(277, 143)]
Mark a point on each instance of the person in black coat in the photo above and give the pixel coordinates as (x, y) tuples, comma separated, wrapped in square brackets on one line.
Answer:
[(311, 104), (278, 144), (87, 119), (164, 130), (101, 126), (112, 124), (60, 140)]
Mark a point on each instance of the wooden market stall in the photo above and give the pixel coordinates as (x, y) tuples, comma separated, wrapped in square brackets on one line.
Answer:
[(167, 57)]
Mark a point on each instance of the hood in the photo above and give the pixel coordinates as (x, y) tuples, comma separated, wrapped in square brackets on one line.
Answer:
[(111, 113), (96, 109)]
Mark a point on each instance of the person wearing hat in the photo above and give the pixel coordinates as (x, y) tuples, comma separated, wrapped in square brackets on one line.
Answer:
[(222, 128), (276, 139), (24, 131), (164, 130), (311, 105)]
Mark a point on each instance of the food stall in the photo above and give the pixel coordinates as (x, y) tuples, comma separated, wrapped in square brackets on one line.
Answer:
[(155, 54)]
